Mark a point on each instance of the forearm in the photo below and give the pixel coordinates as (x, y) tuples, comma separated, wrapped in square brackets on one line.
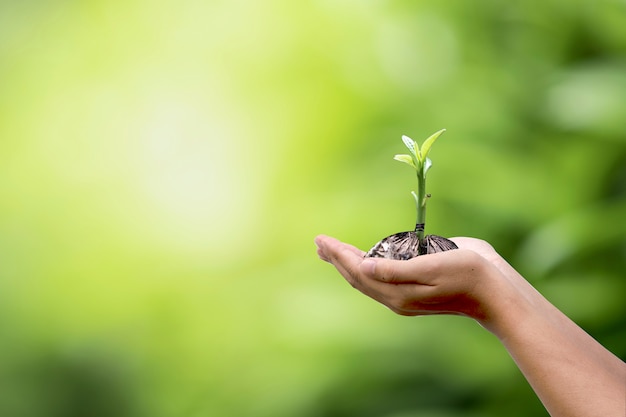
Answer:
[(547, 311), (572, 373)]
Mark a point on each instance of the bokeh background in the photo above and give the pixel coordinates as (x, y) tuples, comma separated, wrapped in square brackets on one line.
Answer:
[(165, 166)]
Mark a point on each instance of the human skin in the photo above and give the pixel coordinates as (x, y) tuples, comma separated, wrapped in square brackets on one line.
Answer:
[(571, 373)]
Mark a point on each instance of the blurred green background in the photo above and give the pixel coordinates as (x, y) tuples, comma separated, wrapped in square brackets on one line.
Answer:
[(165, 166)]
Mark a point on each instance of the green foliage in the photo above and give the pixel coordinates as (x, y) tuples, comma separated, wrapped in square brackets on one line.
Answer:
[(418, 159), (165, 166), (407, 159)]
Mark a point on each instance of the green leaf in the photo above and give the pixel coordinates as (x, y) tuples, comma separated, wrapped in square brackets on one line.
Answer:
[(416, 198), (410, 143), (429, 142), (407, 159), (427, 164)]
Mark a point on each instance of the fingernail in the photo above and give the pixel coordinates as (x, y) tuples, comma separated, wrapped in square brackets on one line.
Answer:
[(368, 267)]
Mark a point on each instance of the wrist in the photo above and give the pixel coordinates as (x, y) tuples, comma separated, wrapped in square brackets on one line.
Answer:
[(503, 303)]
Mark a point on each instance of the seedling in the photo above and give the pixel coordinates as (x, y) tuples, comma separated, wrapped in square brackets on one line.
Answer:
[(407, 245)]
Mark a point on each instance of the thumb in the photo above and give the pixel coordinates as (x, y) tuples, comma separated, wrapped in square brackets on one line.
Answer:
[(394, 271)]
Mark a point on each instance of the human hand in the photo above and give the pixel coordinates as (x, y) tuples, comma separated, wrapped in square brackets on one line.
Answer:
[(475, 281), (459, 281)]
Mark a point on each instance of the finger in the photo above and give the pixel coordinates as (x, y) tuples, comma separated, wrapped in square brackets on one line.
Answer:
[(401, 299), (325, 244), (319, 242), (324, 241), (349, 262), (321, 255), (418, 270), (346, 258)]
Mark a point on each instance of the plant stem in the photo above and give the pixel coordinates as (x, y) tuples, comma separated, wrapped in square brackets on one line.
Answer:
[(420, 203)]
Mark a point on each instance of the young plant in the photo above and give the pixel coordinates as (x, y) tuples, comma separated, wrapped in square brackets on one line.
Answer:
[(407, 245)]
